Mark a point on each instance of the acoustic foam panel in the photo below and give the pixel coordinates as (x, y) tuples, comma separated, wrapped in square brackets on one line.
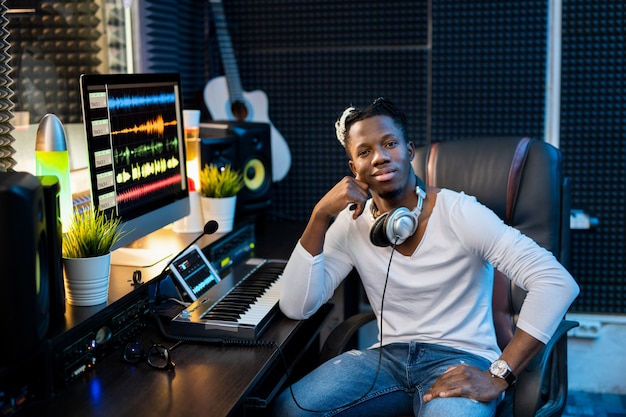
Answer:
[(593, 132), (313, 59), (488, 69)]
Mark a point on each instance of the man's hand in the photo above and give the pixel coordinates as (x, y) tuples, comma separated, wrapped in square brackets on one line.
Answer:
[(347, 192), (466, 381)]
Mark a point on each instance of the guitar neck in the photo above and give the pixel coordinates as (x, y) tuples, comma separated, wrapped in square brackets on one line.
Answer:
[(227, 52)]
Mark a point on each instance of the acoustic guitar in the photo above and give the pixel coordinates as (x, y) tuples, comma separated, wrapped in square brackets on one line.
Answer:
[(226, 100)]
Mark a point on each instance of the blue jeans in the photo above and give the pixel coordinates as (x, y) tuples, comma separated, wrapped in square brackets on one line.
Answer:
[(345, 386)]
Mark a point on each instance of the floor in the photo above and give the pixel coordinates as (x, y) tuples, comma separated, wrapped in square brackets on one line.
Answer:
[(597, 405)]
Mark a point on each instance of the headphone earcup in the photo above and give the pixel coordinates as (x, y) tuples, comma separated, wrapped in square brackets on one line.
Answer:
[(378, 236), (393, 227)]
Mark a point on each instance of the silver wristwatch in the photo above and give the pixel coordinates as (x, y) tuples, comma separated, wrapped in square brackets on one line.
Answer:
[(500, 369)]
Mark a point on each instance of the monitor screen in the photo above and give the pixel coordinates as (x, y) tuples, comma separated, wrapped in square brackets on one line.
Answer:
[(136, 154)]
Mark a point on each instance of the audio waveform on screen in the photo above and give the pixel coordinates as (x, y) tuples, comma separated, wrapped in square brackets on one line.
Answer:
[(150, 127), (141, 100), (148, 150), (144, 190), (141, 171)]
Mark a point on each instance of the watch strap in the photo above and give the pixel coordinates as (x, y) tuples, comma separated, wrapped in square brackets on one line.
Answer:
[(509, 377)]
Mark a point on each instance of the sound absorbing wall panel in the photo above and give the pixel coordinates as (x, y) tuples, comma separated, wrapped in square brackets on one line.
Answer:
[(489, 78), (172, 39), (489, 68), (50, 49), (313, 59), (593, 140)]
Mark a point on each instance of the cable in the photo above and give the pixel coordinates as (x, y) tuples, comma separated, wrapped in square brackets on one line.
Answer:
[(177, 301), (380, 352), (273, 344)]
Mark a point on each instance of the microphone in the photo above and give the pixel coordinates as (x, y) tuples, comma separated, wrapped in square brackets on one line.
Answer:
[(209, 228)]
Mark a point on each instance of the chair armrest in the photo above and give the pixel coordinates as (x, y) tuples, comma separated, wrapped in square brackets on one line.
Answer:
[(339, 337), (539, 361), (541, 389)]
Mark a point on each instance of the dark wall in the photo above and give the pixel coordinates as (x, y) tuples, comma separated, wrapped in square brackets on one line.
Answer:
[(313, 59), (489, 68), (486, 70), (489, 78), (593, 140), (458, 69)]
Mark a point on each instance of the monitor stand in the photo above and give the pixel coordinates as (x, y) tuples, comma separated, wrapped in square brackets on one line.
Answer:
[(147, 251), (139, 257)]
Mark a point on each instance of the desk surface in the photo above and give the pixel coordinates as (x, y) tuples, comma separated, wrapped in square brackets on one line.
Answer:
[(273, 241), (208, 379), (121, 282)]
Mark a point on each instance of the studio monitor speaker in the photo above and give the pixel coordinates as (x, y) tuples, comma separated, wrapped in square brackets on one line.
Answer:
[(54, 245), (24, 294), (246, 146)]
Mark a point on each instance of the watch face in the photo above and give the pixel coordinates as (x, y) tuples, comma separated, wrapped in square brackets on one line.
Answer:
[(499, 368)]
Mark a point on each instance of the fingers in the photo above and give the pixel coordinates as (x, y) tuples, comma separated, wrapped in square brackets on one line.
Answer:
[(464, 381), (357, 209), (347, 192), (447, 385), (361, 196)]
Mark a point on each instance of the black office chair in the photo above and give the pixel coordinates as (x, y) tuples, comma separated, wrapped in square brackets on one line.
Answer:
[(521, 180)]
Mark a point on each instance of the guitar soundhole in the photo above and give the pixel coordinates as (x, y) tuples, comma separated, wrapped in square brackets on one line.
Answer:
[(239, 110)]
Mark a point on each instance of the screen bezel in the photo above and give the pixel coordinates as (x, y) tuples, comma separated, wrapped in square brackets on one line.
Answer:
[(167, 209), (192, 251)]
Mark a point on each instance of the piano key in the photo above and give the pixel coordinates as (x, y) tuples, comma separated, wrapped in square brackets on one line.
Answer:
[(263, 305), (242, 311)]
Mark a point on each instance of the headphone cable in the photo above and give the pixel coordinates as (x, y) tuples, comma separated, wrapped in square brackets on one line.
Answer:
[(380, 352)]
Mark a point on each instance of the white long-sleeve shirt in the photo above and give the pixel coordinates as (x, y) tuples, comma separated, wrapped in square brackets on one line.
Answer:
[(442, 292)]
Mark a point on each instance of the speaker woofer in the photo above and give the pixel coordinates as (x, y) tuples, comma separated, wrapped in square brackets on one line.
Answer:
[(255, 175)]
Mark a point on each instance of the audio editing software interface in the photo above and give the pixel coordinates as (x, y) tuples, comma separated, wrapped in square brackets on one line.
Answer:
[(136, 145)]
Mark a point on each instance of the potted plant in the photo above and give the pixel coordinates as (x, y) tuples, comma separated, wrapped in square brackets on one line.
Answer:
[(219, 186), (87, 256)]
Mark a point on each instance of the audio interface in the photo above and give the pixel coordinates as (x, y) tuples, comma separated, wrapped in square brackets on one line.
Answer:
[(77, 350), (234, 247)]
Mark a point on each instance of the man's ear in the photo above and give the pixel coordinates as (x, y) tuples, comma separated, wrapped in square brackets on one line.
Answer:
[(411, 148), (351, 165)]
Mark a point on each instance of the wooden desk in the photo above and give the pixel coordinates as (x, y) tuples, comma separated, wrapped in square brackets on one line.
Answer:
[(208, 380), (121, 282)]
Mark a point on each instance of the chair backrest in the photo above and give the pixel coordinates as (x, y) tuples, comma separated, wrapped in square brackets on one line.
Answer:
[(522, 181)]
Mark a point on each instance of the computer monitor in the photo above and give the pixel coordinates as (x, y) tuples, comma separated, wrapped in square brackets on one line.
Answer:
[(136, 154)]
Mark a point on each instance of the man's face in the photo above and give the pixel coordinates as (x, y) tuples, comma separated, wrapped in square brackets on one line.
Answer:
[(380, 155)]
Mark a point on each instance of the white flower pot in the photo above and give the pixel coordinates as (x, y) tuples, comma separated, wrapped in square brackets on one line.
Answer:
[(87, 280), (222, 210)]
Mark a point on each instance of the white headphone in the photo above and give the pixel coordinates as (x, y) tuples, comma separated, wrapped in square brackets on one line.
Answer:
[(396, 226)]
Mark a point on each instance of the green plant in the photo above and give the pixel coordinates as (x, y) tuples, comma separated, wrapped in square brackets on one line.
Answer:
[(220, 182), (90, 234)]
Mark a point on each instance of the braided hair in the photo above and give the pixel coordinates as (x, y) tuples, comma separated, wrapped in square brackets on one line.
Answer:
[(379, 107)]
